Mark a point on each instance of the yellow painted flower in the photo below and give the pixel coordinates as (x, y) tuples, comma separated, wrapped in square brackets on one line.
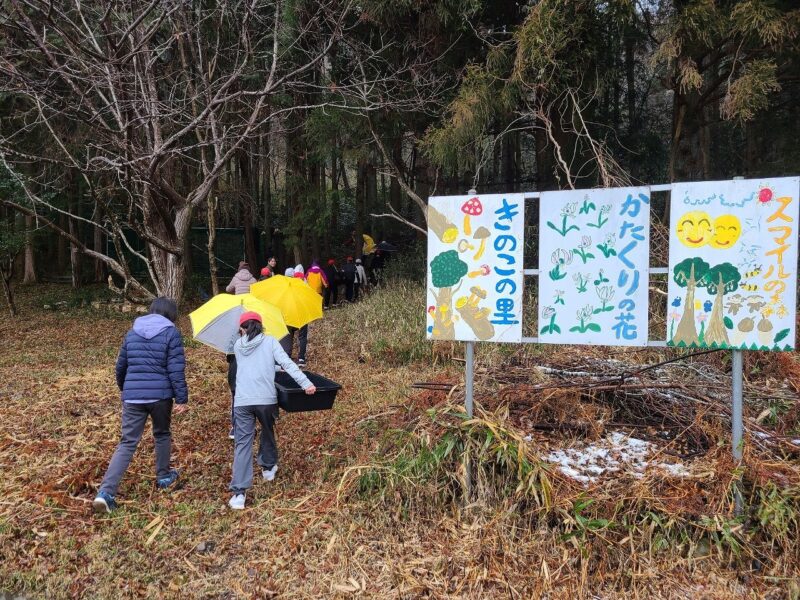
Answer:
[(767, 311), (697, 304), (782, 312)]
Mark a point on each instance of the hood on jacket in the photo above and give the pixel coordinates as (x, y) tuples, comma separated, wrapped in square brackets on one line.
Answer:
[(289, 272), (243, 275), (249, 346), (149, 326)]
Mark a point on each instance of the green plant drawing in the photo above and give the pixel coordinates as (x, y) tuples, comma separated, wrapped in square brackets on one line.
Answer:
[(583, 249), (586, 206), (607, 247), (584, 316), (602, 218), (581, 280), (549, 313), (560, 258), (600, 278), (568, 212), (605, 294)]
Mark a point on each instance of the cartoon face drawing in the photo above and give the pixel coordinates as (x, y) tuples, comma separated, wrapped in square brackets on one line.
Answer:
[(694, 229), (727, 230)]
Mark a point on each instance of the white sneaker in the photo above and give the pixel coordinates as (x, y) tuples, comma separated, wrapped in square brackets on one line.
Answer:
[(237, 502), (269, 474)]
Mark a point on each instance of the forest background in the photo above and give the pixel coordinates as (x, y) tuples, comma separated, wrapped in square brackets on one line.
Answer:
[(159, 142)]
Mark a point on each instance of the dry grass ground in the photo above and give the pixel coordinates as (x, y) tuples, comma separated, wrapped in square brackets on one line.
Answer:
[(370, 498)]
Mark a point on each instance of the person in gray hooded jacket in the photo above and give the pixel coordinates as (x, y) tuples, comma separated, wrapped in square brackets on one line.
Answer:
[(256, 399)]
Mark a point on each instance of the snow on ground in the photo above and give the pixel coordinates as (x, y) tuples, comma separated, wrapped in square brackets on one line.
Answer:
[(615, 453)]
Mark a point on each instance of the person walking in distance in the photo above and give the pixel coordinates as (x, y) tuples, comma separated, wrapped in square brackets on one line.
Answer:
[(241, 282), (331, 292), (150, 373), (361, 279), (287, 341), (349, 276), (270, 269)]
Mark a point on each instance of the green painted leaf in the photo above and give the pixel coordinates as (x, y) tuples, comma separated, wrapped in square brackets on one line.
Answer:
[(556, 328), (728, 323), (593, 327), (781, 335), (545, 329), (576, 328)]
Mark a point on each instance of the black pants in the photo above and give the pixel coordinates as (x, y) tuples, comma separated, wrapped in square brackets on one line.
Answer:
[(349, 289), (231, 358), (330, 296), (287, 342)]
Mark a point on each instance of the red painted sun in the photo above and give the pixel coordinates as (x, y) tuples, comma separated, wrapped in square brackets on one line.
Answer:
[(765, 195)]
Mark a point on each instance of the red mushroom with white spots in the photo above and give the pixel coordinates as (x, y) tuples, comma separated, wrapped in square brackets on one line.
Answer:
[(471, 208)]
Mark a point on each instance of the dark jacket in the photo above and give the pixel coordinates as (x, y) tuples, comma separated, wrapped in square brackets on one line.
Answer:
[(333, 274), (151, 363), (349, 272)]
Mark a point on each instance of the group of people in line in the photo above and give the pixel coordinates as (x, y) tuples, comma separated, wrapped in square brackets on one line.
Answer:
[(150, 373), (326, 281)]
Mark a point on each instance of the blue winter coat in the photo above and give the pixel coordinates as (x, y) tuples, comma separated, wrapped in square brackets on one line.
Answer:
[(151, 363)]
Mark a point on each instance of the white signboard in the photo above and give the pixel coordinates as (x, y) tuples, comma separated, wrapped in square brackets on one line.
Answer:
[(733, 264), (475, 279), (594, 249)]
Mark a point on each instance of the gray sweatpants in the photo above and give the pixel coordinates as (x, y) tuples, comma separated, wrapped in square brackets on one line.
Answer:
[(244, 430), (134, 417)]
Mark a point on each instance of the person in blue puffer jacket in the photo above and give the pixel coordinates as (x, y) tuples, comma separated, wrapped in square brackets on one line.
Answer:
[(150, 373)]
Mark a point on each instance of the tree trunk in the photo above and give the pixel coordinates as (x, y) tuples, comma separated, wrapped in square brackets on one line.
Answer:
[(361, 189), (717, 333), (100, 270), (74, 203), (29, 272), (12, 307), (686, 331), (212, 238)]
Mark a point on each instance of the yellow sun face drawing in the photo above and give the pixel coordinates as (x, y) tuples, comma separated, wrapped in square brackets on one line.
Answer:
[(694, 229), (727, 230)]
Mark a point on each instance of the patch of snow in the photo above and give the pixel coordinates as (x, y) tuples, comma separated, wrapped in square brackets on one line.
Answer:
[(617, 452)]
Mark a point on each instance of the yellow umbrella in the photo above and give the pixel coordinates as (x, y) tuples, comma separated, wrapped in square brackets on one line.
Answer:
[(299, 304), (216, 323), (369, 245)]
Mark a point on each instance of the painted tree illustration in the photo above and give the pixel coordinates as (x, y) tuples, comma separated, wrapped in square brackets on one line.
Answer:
[(719, 280), (447, 269), (689, 273)]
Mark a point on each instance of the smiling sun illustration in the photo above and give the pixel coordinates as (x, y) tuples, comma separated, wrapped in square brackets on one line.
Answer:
[(727, 230), (694, 229)]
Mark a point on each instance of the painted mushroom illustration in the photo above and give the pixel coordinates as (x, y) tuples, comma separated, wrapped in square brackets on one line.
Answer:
[(744, 327), (483, 270), (765, 331), (471, 208), (482, 234), (475, 316), (464, 245)]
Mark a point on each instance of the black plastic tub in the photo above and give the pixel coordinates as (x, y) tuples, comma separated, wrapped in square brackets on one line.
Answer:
[(292, 398)]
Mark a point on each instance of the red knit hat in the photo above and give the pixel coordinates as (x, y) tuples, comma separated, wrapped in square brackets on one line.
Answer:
[(248, 316)]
